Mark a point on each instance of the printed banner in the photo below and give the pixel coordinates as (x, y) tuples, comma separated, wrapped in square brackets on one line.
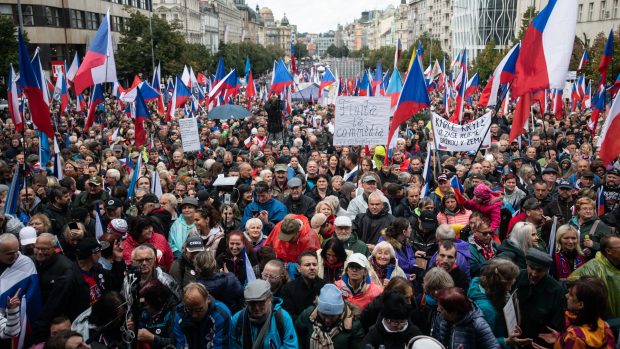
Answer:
[(455, 137)]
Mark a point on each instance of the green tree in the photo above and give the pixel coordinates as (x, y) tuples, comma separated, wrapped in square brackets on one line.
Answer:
[(134, 49), (596, 52), (432, 50), (8, 42), (528, 16), (261, 57), (301, 50), (487, 60)]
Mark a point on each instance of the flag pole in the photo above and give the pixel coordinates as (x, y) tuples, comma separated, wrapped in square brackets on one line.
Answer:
[(497, 107)]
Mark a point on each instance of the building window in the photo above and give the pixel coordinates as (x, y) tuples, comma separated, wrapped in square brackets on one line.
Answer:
[(580, 11), (615, 9), (590, 11), (77, 19), (601, 15), (52, 16), (92, 20), (28, 15)]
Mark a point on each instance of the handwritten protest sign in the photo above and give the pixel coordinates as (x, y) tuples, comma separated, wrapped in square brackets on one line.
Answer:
[(362, 120), (189, 134), (455, 137)]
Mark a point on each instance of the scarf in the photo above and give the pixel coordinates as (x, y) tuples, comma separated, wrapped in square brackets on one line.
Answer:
[(332, 272), (486, 249), (236, 265), (382, 271), (321, 336), (566, 263), (247, 330)]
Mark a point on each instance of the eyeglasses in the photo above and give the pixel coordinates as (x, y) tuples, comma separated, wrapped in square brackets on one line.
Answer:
[(143, 260), (270, 277)]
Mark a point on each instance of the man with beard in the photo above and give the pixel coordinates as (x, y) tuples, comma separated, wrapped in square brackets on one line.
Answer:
[(415, 165), (279, 185), (611, 189), (253, 325), (301, 292), (562, 206), (296, 201), (57, 209)]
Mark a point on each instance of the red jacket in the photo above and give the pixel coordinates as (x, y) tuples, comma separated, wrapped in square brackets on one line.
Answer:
[(164, 253), (289, 251)]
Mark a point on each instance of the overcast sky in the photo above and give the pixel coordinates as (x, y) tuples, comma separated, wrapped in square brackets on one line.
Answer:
[(317, 16)]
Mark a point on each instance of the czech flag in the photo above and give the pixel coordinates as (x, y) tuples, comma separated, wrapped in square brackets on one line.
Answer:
[(98, 65), (504, 73), (395, 86), (608, 53), (472, 86), (39, 110), (544, 56), (457, 117), (95, 99), (179, 97), (458, 190), (614, 89), (73, 69), (600, 202), (280, 78), (378, 80), (142, 113), (586, 103), (327, 80), (16, 114), (609, 142), (250, 90), (413, 98), (365, 87), (585, 58)]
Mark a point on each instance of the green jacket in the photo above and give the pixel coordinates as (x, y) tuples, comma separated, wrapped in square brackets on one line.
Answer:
[(84, 199), (494, 318), (347, 338), (476, 259), (354, 244), (584, 229), (541, 306), (602, 268)]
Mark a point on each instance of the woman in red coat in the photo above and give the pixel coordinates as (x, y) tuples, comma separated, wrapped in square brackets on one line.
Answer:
[(142, 233)]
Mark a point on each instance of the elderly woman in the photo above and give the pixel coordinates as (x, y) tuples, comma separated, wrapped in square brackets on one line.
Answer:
[(355, 284), (254, 233), (568, 254), (591, 228), (522, 237), (460, 324), (397, 235), (383, 264)]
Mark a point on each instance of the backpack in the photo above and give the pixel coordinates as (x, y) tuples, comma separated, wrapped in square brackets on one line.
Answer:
[(279, 324)]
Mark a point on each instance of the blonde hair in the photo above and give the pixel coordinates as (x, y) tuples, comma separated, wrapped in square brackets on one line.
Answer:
[(321, 204), (559, 234)]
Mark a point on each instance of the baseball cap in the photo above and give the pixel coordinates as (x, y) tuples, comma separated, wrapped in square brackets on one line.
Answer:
[(358, 259), (289, 228), (87, 246), (281, 168), (516, 156), (194, 244), (27, 236), (587, 174), (149, 198), (113, 203), (442, 177), (369, 178), (96, 180), (118, 225), (294, 182), (564, 184), (343, 221), (428, 220), (614, 172), (257, 290)]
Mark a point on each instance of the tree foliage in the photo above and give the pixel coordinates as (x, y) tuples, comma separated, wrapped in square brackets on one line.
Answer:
[(595, 51), (301, 50), (528, 16), (261, 57), (335, 51), (8, 42), (487, 60)]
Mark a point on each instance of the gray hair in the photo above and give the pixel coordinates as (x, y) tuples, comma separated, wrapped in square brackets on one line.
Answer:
[(445, 232), (142, 248), (114, 173), (253, 221), (436, 279), (171, 199), (521, 235), (6, 238)]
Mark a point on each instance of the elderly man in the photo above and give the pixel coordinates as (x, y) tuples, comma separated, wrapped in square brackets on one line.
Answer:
[(297, 202), (360, 203), (265, 207), (253, 326), (368, 225), (143, 259), (63, 290), (606, 266), (343, 231), (203, 321), (291, 237), (112, 181), (279, 184), (541, 297), (94, 192)]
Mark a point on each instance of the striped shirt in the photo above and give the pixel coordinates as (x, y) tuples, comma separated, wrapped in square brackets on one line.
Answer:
[(9, 325)]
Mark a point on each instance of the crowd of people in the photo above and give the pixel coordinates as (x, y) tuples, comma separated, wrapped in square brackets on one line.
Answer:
[(315, 245)]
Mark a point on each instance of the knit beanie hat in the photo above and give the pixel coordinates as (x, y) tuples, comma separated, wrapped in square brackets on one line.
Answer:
[(482, 191), (330, 300)]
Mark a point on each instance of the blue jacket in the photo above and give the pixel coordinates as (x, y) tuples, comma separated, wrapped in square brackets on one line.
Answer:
[(463, 255), (276, 209), (272, 339), (211, 330), (226, 288), (471, 332), (495, 320)]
